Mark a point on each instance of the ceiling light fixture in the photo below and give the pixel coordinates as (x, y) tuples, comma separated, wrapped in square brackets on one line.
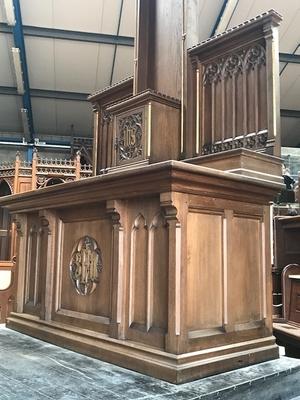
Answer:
[(18, 69), (10, 12), (24, 113)]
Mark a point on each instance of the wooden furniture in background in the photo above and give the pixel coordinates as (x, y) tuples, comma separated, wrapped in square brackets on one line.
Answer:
[(19, 177), (286, 251), (8, 286), (287, 330)]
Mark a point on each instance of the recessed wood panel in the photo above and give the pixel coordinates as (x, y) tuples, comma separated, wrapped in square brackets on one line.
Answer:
[(98, 302), (244, 270), (204, 271)]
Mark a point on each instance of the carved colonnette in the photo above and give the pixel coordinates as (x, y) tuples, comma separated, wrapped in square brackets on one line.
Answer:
[(147, 271)]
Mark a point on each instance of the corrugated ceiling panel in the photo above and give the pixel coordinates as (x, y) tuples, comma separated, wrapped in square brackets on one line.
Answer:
[(123, 63), (290, 87), (104, 65), (76, 113), (111, 14), (127, 26), (91, 70), (7, 77), (2, 13), (56, 117), (37, 12), (75, 66), (290, 132), (40, 62), (100, 16), (78, 15), (10, 115), (289, 36), (289, 30), (44, 115), (204, 20)]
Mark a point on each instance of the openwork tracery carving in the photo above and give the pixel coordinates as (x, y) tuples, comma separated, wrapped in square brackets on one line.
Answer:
[(234, 64), (86, 265), (252, 141), (129, 138)]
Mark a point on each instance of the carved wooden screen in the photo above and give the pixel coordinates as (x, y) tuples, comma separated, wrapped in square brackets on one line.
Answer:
[(234, 105), (5, 225), (235, 80)]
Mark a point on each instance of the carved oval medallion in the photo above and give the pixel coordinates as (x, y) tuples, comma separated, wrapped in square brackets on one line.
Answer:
[(85, 265)]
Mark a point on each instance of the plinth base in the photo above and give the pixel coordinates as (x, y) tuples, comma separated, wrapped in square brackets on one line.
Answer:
[(159, 364)]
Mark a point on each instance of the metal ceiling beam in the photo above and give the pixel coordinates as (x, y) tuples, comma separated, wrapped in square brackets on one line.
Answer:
[(289, 58), (115, 50), (63, 34), (60, 95), (290, 113), (47, 94), (19, 43), (74, 96), (224, 16)]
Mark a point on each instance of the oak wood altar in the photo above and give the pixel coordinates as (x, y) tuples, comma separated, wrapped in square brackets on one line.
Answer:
[(180, 291), (156, 265)]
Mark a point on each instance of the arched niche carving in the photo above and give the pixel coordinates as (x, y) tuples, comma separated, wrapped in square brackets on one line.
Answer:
[(5, 188), (138, 271), (158, 263)]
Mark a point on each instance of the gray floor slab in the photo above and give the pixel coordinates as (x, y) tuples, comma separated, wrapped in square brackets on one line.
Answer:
[(36, 370)]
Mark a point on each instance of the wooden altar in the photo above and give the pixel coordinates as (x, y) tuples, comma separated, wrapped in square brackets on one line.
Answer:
[(160, 265)]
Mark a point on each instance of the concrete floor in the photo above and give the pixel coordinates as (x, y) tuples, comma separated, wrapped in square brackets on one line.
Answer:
[(35, 370)]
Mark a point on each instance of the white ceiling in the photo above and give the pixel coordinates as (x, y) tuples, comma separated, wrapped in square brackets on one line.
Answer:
[(84, 67), (65, 65)]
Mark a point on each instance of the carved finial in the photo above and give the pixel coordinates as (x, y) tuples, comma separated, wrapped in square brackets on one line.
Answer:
[(18, 155), (34, 153)]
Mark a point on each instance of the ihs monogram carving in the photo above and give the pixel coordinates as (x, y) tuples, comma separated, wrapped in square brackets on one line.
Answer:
[(86, 265), (129, 139), (234, 64)]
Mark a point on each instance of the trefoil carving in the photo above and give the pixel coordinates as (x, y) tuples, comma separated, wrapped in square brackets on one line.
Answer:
[(234, 64)]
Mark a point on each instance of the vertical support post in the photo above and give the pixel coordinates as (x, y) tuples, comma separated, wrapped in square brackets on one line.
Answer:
[(21, 228), (77, 166), (29, 153), (176, 337), (17, 171), (197, 111), (96, 139), (49, 225), (117, 326), (273, 96), (19, 42), (183, 77), (34, 170)]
